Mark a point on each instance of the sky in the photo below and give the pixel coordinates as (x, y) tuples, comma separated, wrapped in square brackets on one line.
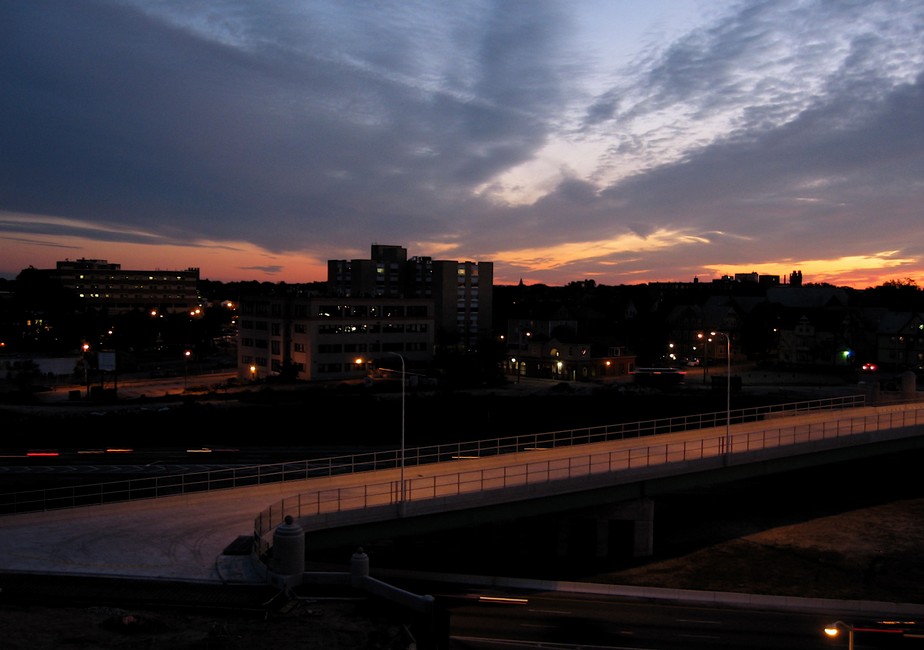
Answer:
[(618, 141)]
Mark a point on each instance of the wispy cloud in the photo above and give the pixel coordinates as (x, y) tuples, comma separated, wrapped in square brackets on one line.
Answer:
[(559, 140)]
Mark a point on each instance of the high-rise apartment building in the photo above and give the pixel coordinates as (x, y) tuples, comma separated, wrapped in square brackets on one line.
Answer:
[(385, 306), (462, 292), (381, 276)]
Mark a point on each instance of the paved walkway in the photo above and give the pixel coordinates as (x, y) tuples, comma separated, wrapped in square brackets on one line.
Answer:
[(185, 537), (177, 538)]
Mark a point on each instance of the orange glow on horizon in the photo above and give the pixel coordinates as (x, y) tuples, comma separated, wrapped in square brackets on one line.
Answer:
[(218, 261), (554, 266)]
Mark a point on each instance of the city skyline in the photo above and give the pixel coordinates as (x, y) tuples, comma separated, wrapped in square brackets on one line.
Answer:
[(623, 142)]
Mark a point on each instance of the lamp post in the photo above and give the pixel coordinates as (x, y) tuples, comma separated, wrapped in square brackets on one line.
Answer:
[(516, 361), (705, 341), (519, 351), (835, 628), (403, 381), (86, 370), (727, 391), (186, 355), (521, 355)]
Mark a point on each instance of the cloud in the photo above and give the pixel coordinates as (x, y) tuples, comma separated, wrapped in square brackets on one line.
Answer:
[(753, 132)]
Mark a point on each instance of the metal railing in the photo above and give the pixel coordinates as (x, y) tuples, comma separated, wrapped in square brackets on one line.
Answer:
[(248, 476), (498, 484)]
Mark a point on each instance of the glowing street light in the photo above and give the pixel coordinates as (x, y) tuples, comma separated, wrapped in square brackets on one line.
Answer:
[(705, 341), (835, 628), (86, 370), (517, 362)]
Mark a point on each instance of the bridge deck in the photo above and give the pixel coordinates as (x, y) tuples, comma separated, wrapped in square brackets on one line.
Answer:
[(182, 537)]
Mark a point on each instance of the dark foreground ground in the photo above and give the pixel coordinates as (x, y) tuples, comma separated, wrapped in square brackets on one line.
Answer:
[(870, 552)]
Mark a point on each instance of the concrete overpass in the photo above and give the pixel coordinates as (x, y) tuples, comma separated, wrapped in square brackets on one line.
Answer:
[(611, 474)]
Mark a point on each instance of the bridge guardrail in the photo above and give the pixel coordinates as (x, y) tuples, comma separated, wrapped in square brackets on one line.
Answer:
[(235, 477), (352, 500)]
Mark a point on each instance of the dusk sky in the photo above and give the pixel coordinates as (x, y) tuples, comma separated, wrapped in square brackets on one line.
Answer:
[(614, 140)]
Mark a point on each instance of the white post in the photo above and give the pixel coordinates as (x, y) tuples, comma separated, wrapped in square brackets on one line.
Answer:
[(403, 382), (727, 391)]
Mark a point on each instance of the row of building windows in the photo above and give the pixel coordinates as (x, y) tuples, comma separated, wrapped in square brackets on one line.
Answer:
[(159, 304), (373, 328), (277, 366), (336, 328), (329, 348), (110, 286), (133, 280), (366, 348), (135, 296), (372, 311)]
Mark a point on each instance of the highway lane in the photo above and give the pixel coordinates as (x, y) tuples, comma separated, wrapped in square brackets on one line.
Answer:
[(548, 619)]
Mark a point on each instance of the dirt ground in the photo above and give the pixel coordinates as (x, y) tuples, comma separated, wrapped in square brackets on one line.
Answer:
[(332, 626), (871, 553)]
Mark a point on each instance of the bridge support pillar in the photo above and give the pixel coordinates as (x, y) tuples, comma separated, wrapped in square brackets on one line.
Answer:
[(592, 532), (641, 513)]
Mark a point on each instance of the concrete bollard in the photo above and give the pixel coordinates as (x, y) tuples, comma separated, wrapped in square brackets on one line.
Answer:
[(359, 568), (288, 548)]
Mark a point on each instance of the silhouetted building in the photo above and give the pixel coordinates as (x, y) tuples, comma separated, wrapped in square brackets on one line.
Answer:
[(462, 292), (383, 307), (103, 285)]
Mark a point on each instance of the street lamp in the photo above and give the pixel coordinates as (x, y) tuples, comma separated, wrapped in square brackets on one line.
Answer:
[(517, 362), (705, 341), (186, 355), (727, 391), (835, 628), (86, 371), (403, 381)]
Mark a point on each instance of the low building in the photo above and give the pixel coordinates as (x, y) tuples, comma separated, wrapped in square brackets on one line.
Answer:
[(103, 285), (543, 357), (317, 338)]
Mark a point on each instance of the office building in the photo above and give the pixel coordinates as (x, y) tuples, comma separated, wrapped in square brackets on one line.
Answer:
[(462, 292), (323, 338), (106, 286)]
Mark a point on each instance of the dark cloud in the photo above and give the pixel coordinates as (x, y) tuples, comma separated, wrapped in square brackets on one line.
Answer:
[(297, 126)]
